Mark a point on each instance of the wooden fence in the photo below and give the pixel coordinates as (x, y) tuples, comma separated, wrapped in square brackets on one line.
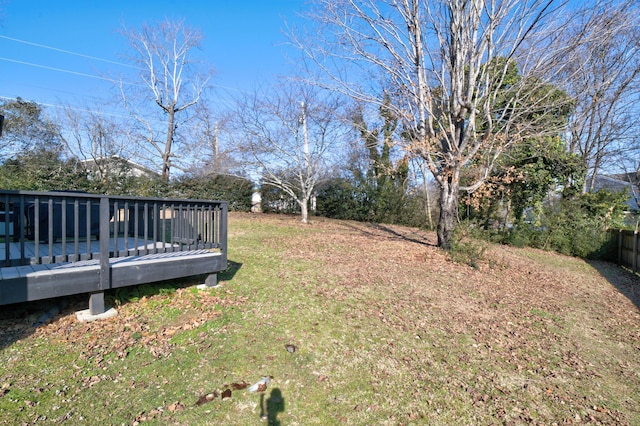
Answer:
[(627, 243)]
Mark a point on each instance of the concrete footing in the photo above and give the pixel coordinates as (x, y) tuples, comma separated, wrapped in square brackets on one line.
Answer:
[(210, 282), (86, 316), (207, 286)]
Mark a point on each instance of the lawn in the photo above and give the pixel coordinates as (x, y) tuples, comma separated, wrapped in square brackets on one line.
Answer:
[(354, 323)]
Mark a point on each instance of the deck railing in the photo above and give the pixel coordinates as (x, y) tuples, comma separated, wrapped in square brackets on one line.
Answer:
[(59, 227)]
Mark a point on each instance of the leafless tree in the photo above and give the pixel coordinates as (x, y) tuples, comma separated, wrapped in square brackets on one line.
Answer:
[(604, 83), (172, 80), (448, 67), (97, 140), (212, 152), (286, 136)]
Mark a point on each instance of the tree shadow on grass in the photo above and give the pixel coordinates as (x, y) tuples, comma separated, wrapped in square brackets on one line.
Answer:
[(412, 237), (410, 234), (625, 281)]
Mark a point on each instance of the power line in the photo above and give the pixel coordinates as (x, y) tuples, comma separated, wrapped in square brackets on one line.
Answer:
[(97, 112), (57, 69), (92, 75), (69, 52), (84, 56)]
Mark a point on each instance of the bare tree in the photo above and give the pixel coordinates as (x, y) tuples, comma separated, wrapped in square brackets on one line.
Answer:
[(174, 81), (212, 152), (604, 83), (286, 136), (467, 78), (99, 142)]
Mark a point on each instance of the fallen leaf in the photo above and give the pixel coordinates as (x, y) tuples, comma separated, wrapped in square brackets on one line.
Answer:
[(176, 406), (238, 386), (206, 398)]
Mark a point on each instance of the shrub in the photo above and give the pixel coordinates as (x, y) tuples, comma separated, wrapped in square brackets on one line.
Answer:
[(236, 190), (468, 245)]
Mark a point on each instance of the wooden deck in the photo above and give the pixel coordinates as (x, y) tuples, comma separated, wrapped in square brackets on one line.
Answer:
[(124, 250)]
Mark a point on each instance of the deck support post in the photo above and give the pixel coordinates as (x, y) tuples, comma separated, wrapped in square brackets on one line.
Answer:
[(96, 303), (211, 280)]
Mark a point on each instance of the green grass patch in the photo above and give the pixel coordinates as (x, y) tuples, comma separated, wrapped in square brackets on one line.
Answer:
[(356, 326)]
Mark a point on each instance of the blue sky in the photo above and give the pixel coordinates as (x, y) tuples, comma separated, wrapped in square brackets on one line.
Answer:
[(243, 41)]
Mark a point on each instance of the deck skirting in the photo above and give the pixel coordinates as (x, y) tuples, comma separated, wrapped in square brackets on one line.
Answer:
[(35, 282)]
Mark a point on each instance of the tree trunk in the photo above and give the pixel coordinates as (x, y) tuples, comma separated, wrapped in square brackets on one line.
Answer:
[(590, 181), (166, 157), (427, 196), (449, 192), (304, 209)]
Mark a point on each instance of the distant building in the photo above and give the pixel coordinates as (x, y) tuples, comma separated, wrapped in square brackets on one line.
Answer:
[(116, 165), (618, 183), (256, 202)]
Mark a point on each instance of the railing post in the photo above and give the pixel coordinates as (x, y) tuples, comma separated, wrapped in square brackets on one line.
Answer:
[(224, 214), (96, 300)]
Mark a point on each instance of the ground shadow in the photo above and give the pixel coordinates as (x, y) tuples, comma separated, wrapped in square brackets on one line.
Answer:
[(230, 272), (19, 320), (270, 408), (624, 280), (410, 235)]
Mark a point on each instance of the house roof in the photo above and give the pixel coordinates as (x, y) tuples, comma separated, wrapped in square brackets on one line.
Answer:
[(632, 177), (139, 167), (618, 183)]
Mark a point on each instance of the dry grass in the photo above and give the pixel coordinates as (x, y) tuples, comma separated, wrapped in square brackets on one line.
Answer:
[(386, 329)]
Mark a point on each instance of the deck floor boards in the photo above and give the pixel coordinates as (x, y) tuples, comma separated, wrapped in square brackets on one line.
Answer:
[(24, 271), (130, 246)]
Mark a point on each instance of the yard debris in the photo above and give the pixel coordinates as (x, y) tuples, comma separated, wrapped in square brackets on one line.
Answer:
[(225, 393), (176, 406), (322, 378), (206, 398), (290, 348), (238, 386), (261, 385)]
